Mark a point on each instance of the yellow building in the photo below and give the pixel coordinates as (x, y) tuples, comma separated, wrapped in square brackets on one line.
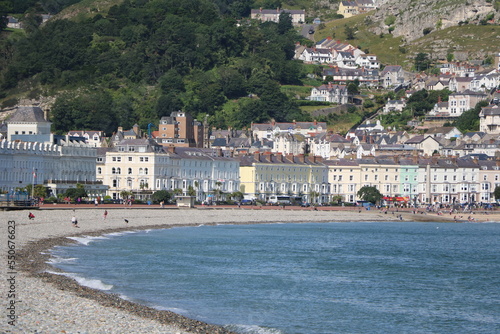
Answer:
[(265, 175), (344, 177), (348, 8)]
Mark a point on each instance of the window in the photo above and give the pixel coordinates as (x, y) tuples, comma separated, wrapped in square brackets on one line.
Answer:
[(99, 170), (130, 171), (113, 170), (145, 171), (118, 170)]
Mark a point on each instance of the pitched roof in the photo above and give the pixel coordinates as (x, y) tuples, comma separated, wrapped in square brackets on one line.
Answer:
[(27, 114)]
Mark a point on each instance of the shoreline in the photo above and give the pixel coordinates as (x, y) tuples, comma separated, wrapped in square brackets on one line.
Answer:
[(52, 227)]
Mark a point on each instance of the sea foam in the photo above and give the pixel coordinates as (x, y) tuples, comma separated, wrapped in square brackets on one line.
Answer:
[(88, 282), (87, 239)]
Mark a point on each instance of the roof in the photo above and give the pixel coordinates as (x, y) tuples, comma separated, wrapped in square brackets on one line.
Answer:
[(391, 68), (442, 129), (274, 11), (27, 114)]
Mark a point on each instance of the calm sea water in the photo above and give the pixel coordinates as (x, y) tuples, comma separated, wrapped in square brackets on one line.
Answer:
[(305, 278)]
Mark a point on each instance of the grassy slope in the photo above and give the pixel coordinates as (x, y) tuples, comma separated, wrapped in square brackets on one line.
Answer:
[(465, 38), (88, 8)]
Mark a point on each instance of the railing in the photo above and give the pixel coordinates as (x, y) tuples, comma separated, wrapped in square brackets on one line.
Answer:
[(16, 200), (71, 181)]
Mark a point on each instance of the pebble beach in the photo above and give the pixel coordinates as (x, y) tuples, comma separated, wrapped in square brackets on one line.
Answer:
[(43, 302)]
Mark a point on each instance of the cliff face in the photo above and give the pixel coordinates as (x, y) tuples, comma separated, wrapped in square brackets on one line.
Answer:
[(411, 18)]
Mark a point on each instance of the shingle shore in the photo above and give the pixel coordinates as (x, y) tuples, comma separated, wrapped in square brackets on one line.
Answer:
[(49, 303)]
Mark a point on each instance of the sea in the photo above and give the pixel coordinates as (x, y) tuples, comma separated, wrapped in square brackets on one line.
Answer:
[(354, 277)]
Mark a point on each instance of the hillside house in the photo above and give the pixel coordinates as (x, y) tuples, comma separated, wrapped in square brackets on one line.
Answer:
[(330, 93), (392, 76), (489, 119), (463, 101), (366, 77), (394, 105), (273, 15), (460, 84), (368, 61), (315, 55)]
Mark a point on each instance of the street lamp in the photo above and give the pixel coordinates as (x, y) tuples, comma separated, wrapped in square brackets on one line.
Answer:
[(33, 183)]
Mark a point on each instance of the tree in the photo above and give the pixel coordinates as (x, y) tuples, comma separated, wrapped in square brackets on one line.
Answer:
[(422, 62), (469, 120), (161, 196), (191, 191), (78, 192), (349, 32), (370, 194), (237, 195), (285, 23), (496, 192)]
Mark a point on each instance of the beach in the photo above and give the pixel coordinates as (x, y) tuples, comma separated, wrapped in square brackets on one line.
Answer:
[(43, 302)]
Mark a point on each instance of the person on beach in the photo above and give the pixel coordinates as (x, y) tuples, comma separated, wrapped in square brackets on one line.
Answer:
[(74, 221), (105, 214), (31, 216)]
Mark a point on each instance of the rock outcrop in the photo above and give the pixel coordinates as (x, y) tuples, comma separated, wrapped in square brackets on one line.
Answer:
[(415, 18)]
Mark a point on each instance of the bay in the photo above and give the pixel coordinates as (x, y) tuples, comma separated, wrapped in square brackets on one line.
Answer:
[(305, 278)]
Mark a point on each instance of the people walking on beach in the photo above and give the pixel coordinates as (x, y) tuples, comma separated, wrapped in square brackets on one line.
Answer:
[(31, 216), (96, 202), (105, 214), (74, 221)]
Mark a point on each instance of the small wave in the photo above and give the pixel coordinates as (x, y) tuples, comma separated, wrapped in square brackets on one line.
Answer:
[(88, 282), (57, 259), (87, 239), (254, 329)]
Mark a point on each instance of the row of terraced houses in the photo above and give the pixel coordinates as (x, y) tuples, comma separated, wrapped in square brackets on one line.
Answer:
[(142, 166)]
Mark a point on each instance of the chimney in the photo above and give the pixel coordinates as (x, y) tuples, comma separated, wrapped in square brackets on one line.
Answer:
[(319, 159), (279, 156), (171, 149), (256, 156), (301, 158)]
